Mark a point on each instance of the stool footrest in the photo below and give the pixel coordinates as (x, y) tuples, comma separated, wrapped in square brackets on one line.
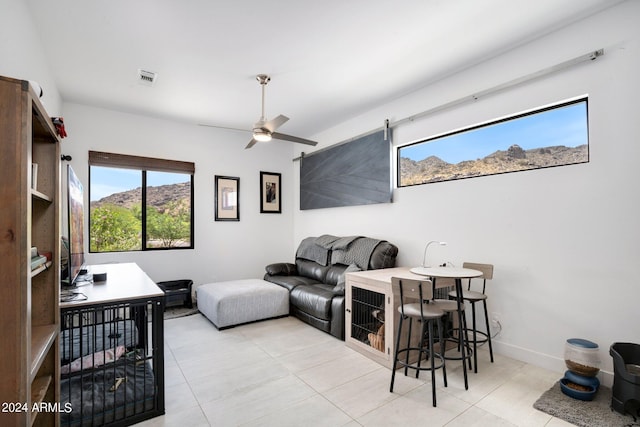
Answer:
[(468, 352), (413, 365), (484, 337)]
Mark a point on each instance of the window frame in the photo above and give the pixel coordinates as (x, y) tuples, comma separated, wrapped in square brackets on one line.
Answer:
[(144, 165), (577, 100)]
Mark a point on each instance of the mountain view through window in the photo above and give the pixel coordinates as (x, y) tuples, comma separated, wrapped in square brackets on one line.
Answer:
[(132, 210), (552, 136)]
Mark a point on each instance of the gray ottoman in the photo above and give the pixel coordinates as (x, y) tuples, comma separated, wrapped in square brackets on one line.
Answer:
[(240, 301)]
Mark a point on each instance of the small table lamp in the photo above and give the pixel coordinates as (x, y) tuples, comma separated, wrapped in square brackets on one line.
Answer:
[(424, 257)]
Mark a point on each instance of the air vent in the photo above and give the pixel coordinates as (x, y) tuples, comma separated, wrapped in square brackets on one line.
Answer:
[(147, 78)]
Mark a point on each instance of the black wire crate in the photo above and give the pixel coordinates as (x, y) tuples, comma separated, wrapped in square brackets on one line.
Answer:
[(112, 363)]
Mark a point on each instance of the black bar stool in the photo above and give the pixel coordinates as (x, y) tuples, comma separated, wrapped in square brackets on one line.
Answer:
[(473, 297), (450, 308), (414, 295), (453, 312)]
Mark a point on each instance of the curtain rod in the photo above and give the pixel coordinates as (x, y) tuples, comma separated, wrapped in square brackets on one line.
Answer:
[(591, 56)]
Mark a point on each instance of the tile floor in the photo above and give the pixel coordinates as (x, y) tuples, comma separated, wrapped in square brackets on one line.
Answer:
[(283, 372)]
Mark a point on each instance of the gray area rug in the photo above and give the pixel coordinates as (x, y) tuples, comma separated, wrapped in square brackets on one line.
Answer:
[(179, 311), (583, 413)]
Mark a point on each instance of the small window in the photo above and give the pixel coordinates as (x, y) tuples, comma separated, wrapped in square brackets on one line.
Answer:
[(139, 203), (553, 136)]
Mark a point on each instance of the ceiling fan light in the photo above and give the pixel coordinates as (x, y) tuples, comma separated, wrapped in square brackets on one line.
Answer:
[(261, 136)]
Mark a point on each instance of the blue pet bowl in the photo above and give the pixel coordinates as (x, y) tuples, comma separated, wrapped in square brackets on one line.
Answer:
[(577, 394), (582, 380)]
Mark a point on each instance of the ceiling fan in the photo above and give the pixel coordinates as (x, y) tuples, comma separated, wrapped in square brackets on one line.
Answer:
[(264, 130)]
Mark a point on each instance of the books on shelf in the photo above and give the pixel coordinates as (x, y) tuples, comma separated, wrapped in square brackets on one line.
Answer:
[(37, 261)]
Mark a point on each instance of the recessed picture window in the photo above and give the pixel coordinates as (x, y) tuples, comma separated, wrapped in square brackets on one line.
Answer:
[(548, 137), (134, 207)]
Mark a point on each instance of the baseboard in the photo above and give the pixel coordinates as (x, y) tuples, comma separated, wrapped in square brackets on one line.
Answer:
[(542, 360)]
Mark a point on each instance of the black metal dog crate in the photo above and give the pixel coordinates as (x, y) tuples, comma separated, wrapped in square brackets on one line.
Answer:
[(112, 358)]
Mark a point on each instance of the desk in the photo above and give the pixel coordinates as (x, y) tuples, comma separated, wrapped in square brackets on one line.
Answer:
[(367, 294), (457, 274), (124, 282), (127, 301)]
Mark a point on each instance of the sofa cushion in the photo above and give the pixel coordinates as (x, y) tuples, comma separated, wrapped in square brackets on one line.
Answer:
[(339, 288), (290, 282), (311, 269), (313, 299), (334, 274)]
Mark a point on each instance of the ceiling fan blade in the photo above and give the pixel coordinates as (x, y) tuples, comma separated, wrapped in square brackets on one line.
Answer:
[(275, 123), (251, 143), (223, 127), (285, 137)]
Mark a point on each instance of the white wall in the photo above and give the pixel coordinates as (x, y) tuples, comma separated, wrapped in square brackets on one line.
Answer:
[(223, 250), (21, 53), (565, 240)]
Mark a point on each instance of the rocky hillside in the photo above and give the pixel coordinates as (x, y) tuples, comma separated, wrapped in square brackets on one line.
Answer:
[(157, 197), (433, 169)]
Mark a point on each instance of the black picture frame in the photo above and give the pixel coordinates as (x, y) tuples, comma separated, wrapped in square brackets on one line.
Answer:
[(270, 192), (227, 194)]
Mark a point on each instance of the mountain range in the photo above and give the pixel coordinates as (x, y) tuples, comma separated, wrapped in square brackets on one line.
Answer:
[(157, 197), (515, 158)]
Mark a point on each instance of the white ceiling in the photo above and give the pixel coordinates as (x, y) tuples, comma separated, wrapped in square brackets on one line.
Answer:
[(329, 59)]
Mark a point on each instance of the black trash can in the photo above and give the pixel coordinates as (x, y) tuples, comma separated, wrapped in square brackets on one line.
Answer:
[(626, 380), (177, 292)]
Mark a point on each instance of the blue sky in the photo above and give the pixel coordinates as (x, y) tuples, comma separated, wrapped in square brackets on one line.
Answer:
[(560, 126), (106, 181)]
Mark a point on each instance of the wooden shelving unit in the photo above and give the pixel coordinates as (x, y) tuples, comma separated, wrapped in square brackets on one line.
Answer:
[(30, 315)]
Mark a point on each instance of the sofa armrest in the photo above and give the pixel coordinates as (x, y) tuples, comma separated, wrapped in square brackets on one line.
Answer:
[(282, 269)]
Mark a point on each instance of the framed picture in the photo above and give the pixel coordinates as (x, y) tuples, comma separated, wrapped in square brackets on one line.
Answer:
[(270, 191), (227, 190)]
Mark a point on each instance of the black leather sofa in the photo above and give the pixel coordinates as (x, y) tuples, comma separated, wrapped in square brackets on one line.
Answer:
[(316, 280)]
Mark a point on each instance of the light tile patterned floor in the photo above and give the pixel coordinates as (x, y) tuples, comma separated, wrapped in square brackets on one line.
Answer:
[(283, 372)]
